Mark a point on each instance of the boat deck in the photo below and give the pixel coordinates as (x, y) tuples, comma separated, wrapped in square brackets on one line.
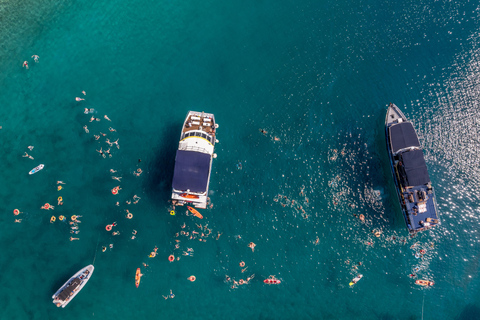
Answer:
[(203, 122), (419, 210)]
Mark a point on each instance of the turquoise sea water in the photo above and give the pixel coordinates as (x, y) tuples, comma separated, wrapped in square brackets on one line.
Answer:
[(318, 75)]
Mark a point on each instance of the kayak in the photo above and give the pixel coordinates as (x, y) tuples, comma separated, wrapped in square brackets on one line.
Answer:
[(36, 169), (195, 212), (138, 275), (424, 283), (188, 196), (356, 279), (271, 281)]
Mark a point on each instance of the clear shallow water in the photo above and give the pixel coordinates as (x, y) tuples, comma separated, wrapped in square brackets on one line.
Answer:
[(316, 75)]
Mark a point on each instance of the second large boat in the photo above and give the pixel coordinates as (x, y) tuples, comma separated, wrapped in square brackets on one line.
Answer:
[(69, 290), (193, 162), (412, 182)]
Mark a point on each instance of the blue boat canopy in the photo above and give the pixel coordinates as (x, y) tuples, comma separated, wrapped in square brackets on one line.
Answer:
[(415, 168), (191, 171), (403, 135)]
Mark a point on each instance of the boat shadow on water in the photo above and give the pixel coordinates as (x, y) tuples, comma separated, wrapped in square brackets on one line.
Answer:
[(158, 184)]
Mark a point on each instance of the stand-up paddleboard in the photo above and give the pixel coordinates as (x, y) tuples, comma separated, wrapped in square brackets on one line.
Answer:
[(356, 279), (195, 212), (424, 283), (138, 275), (36, 169)]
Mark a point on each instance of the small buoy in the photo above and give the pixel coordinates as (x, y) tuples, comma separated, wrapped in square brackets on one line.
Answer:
[(61, 218), (242, 264), (16, 212), (214, 156), (192, 278), (114, 191), (60, 199), (172, 213), (108, 227), (74, 217), (59, 188), (52, 219), (129, 216), (171, 258)]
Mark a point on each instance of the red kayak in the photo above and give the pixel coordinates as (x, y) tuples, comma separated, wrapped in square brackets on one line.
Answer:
[(271, 281)]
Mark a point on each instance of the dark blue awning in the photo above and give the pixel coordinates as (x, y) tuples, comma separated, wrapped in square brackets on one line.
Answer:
[(191, 171), (415, 168), (403, 135)]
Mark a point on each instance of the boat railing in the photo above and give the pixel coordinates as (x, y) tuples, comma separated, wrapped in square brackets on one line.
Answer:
[(192, 148)]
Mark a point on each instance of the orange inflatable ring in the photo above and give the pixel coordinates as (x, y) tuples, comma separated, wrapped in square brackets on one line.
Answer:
[(16, 212), (129, 216), (241, 281), (242, 264), (108, 227), (114, 191), (192, 278), (171, 258), (61, 218)]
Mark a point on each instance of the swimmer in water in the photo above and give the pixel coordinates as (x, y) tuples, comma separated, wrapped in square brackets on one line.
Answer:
[(117, 178), (263, 131), (108, 152), (106, 117), (60, 182), (84, 93), (79, 99), (116, 233), (112, 171), (25, 64), (112, 130), (111, 245), (30, 148), (71, 239), (18, 220), (96, 137), (101, 152), (86, 129), (171, 294), (104, 249), (252, 246), (35, 58), (26, 155)]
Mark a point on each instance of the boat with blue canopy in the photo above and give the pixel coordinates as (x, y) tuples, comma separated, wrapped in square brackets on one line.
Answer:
[(412, 181), (193, 161)]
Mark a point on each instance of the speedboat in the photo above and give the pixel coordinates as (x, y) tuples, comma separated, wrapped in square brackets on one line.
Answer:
[(193, 162), (412, 182), (36, 169), (72, 287)]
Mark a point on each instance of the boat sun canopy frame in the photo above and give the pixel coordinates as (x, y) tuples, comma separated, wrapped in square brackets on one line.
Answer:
[(191, 171), (415, 168), (403, 136)]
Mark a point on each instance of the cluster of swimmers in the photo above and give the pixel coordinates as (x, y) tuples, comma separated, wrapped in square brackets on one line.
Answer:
[(25, 63), (295, 204)]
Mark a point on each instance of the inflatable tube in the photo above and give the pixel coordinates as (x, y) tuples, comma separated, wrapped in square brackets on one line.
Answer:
[(129, 216), (172, 213), (60, 199), (52, 219), (108, 227), (16, 212), (153, 254), (192, 278), (242, 264), (59, 188), (114, 191), (171, 258), (74, 217), (241, 281), (46, 205), (61, 218)]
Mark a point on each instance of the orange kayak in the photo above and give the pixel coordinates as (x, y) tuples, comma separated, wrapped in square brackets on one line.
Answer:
[(424, 283), (195, 212), (138, 275), (189, 196)]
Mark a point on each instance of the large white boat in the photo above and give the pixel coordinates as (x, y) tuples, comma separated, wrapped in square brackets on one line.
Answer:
[(193, 162), (73, 286)]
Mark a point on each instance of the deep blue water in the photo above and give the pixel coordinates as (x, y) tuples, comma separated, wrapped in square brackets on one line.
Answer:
[(317, 75)]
